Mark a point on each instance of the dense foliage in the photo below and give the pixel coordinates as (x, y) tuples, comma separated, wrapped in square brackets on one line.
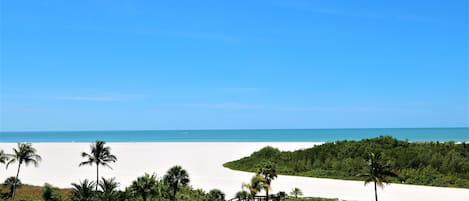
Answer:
[(84, 191), (427, 163)]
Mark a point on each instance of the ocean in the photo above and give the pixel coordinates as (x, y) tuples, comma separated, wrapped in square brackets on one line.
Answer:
[(248, 135)]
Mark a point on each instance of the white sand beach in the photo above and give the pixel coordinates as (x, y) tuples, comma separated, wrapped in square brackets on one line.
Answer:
[(204, 162)]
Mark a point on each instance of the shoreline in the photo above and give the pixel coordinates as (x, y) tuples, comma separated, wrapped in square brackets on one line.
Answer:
[(204, 162)]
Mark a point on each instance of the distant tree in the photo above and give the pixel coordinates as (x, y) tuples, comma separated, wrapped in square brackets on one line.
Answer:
[(256, 184), (296, 192), (10, 182), (175, 178), (109, 189), (215, 195), (269, 173), (24, 153), (83, 191), (100, 155), (145, 186), (49, 193), (378, 172), (242, 195), (282, 195), (3, 157)]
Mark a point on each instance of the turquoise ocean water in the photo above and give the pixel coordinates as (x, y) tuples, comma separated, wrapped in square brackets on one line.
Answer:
[(255, 135)]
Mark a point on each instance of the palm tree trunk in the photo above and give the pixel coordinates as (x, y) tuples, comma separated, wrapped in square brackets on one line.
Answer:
[(174, 192), (376, 193), (16, 181), (267, 194), (97, 176)]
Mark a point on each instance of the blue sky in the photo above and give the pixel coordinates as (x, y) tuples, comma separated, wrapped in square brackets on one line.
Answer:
[(113, 65)]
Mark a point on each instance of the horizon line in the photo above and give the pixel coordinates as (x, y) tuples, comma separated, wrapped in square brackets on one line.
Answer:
[(215, 129)]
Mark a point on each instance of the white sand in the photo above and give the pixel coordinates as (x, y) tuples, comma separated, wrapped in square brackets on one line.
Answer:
[(204, 162)]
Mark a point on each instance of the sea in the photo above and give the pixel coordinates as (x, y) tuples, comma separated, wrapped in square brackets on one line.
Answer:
[(241, 135)]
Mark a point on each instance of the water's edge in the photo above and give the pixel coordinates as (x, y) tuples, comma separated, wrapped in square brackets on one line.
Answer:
[(257, 135)]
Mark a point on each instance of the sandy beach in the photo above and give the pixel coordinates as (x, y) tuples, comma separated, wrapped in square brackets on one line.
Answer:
[(204, 162)]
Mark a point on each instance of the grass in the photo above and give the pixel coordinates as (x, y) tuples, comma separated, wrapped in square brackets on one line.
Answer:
[(31, 193)]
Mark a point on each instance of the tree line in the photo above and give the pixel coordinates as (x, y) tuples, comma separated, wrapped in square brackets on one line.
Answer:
[(444, 164)]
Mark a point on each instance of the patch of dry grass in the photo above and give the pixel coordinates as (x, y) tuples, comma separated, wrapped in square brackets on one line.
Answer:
[(31, 193)]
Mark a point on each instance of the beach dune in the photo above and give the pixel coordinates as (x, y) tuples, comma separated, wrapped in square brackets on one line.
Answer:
[(204, 162)]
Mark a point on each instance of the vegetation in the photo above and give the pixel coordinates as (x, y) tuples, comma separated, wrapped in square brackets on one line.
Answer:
[(50, 193), (256, 184), (24, 153), (269, 173), (100, 155), (109, 189), (9, 183), (242, 195), (3, 157), (295, 192), (215, 195), (430, 163), (31, 193), (378, 172), (145, 187), (83, 191), (175, 178), (377, 161)]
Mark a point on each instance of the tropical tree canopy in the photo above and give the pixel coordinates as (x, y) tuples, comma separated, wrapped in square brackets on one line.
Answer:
[(256, 184), (215, 195), (24, 153), (269, 173), (100, 155), (3, 157), (109, 189), (83, 191), (378, 173), (145, 186), (175, 178)]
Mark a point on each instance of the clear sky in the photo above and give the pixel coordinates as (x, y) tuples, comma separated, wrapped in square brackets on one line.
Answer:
[(113, 65)]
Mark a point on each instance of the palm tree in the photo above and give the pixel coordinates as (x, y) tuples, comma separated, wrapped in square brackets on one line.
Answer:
[(109, 189), (25, 153), (3, 157), (269, 173), (175, 178), (242, 195), (83, 191), (296, 192), (215, 195), (378, 172), (256, 184), (100, 155), (145, 186)]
